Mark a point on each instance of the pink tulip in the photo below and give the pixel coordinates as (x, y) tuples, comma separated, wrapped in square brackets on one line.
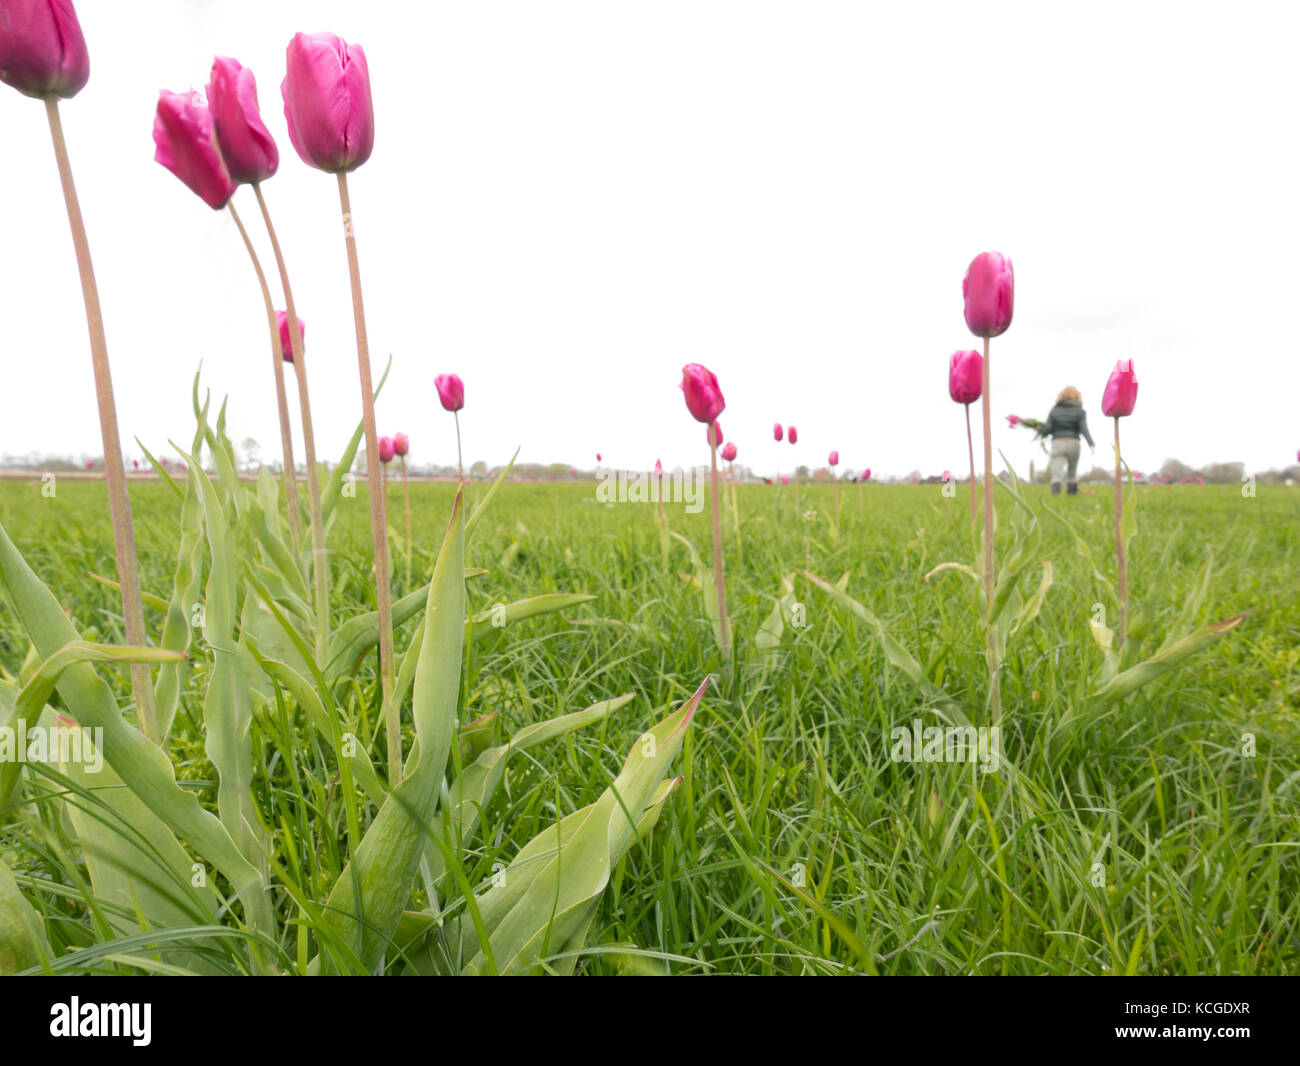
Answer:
[(659, 468), (90, 464), (327, 102), (777, 431), (135, 463), (792, 435), (714, 434), (182, 132), (401, 444), (245, 142), (833, 458), (703, 395), (1200, 480), (286, 343), (947, 476), (965, 376), (866, 474), (386, 450), (729, 452), (1013, 420), (1121, 391), (989, 293), (42, 51), (785, 479), (451, 391), (598, 458)]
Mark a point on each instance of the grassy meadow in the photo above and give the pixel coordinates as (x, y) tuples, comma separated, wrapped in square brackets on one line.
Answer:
[(1158, 834)]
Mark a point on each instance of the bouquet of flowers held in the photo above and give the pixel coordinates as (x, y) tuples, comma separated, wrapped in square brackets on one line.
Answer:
[(1030, 423)]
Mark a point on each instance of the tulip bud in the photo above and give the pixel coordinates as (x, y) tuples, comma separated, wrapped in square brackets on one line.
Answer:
[(185, 145), (286, 342), (1013, 420), (866, 474), (703, 395), (451, 391), (965, 376), (785, 479), (401, 444), (659, 468), (327, 103), (245, 142), (777, 432), (833, 458), (714, 434), (729, 451), (598, 459), (385, 449), (947, 476), (988, 291), (1121, 391), (793, 435), (42, 51)]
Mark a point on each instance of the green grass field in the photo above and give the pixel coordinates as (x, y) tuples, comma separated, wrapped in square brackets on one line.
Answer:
[(1157, 834)]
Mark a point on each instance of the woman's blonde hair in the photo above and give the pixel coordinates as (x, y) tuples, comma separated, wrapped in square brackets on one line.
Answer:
[(1071, 394)]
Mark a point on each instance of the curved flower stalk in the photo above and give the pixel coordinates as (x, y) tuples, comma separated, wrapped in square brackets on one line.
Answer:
[(331, 120), (988, 294), (43, 55), (705, 402)]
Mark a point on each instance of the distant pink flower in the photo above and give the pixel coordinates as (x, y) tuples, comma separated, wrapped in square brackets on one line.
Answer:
[(90, 464), (833, 458), (866, 474), (286, 341), (729, 451), (703, 394), (785, 479), (947, 476), (778, 433), (401, 444), (965, 376), (659, 467), (135, 463), (598, 457), (385, 449), (451, 391), (714, 434), (792, 435), (988, 291), (1121, 393), (1013, 420)]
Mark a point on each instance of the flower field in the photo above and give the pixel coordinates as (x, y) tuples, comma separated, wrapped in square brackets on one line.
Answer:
[(1153, 834)]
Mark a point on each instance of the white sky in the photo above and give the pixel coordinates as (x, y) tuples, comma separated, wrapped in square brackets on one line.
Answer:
[(568, 201)]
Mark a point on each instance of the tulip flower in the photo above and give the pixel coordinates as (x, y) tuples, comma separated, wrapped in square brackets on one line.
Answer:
[(1121, 392), (729, 452), (988, 291), (42, 51), (327, 102), (704, 401), (866, 474), (965, 386), (785, 479), (286, 342), (703, 395), (792, 435), (988, 295), (777, 432), (1013, 420), (833, 459), (386, 450), (1118, 402), (947, 476), (185, 145), (451, 392), (401, 444), (43, 55), (246, 144), (598, 459)]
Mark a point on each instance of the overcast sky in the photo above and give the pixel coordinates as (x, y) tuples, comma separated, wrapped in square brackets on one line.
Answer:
[(567, 201)]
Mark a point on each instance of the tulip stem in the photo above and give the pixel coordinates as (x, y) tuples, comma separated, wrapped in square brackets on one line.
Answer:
[(320, 564), (119, 499), (1119, 546), (719, 580), (460, 462), (406, 494), (277, 363), (374, 478), (991, 637), (970, 450)]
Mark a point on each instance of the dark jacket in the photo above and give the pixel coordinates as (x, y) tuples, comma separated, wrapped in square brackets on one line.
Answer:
[(1066, 420)]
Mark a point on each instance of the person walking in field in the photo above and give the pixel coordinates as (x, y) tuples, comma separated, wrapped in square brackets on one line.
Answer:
[(1065, 425)]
